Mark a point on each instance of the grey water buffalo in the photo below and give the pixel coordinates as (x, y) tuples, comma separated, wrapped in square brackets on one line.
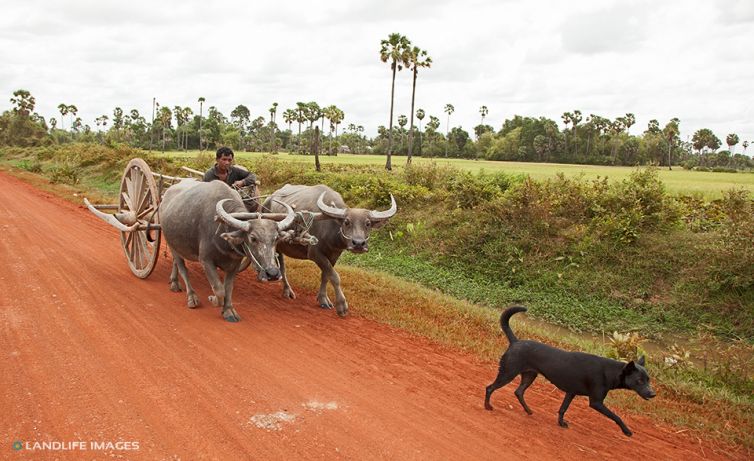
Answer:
[(347, 229), (208, 222)]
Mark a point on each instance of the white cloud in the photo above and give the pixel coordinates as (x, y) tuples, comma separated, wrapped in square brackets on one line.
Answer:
[(690, 59)]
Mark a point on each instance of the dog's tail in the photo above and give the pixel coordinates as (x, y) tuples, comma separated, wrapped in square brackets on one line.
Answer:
[(505, 318)]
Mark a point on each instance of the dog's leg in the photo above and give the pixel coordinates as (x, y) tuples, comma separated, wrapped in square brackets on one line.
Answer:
[(526, 379), (563, 408), (599, 406), (502, 379)]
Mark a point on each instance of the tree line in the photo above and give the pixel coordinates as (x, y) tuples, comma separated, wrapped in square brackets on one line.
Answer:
[(585, 140)]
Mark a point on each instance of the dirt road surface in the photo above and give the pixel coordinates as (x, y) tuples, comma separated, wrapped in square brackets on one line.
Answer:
[(90, 354)]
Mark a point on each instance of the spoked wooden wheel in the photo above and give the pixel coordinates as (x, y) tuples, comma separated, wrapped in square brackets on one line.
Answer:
[(138, 203)]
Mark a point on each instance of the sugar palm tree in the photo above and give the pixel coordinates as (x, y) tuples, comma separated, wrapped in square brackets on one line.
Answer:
[(63, 108), (576, 118), (395, 51), (417, 58), (300, 118), (402, 121), (273, 111), (449, 109), (73, 110), (731, 140), (483, 111), (201, 106), (671, 132)]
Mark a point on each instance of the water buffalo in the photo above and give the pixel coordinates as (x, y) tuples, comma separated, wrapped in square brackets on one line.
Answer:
[(347, 230), (207, 222)]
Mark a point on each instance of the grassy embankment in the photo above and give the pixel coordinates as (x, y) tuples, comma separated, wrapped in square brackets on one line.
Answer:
[(710, 185), (594, 256)]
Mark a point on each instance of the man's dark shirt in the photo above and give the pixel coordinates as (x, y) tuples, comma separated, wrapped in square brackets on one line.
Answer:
[(234, 175)]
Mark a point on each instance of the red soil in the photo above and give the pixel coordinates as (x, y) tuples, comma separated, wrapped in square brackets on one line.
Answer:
[(91, 353)]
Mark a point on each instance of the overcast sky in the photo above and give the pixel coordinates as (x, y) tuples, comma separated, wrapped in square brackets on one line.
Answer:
[(692, 59)]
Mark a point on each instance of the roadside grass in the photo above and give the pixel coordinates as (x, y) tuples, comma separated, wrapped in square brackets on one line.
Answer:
[(686, 399), (710, 185)]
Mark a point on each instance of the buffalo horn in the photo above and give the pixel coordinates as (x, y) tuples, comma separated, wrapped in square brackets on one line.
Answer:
[(375, 215), (228, 219), (284, 224), (333, 212)]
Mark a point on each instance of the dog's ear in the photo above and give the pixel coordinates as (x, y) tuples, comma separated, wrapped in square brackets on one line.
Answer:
[(629, 367), (641, 361)]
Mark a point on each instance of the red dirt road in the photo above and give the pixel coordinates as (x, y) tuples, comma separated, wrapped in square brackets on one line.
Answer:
[(89, 353)]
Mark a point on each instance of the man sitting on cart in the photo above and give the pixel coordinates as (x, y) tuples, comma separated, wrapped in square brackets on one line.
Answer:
[(225, 171)]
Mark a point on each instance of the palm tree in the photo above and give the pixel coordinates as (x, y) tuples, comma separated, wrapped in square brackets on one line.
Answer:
[(360, 129), (101, 121), (289, 116), (449, 109), (73, 110), (745, 143), (186, 112), (300, 118), (273, 112), (63, 108), (420, 116), (671, 132), (24, 102), (335, 116), (395, 50), (576, 119), (417, 58), (483, 111), (432, 126), (402, 120), (165, 117), (629, 120), (201, 106), (567, 116), (54, 123), (731, 140), (313, 113)]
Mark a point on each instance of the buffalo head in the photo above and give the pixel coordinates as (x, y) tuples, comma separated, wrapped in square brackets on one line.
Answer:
[(357, 223), (256, 236)]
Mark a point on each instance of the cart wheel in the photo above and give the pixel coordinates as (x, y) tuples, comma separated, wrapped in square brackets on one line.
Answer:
[(139, 200)]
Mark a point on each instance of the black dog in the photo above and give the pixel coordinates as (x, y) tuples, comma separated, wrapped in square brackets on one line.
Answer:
[(574, 373)]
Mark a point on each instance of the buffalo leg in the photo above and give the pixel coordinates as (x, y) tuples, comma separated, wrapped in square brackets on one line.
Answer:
[(180, 265), (329, 274), (218, 298), (229, 313), (174, 285), (287, 291)]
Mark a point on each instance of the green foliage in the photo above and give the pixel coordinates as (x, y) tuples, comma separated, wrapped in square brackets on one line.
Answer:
[(64, 173)]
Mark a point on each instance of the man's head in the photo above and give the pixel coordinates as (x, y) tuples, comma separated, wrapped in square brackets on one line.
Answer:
[(224, 157)]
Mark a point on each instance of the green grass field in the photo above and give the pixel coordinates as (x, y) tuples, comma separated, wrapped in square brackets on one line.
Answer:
[(709, 184)]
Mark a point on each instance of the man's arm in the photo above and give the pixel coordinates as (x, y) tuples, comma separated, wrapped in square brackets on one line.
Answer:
[(247, 178)]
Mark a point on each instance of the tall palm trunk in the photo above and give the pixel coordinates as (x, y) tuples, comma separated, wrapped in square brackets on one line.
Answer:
[(299, 137), (389, 165), (315, 148), (411, 124)]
